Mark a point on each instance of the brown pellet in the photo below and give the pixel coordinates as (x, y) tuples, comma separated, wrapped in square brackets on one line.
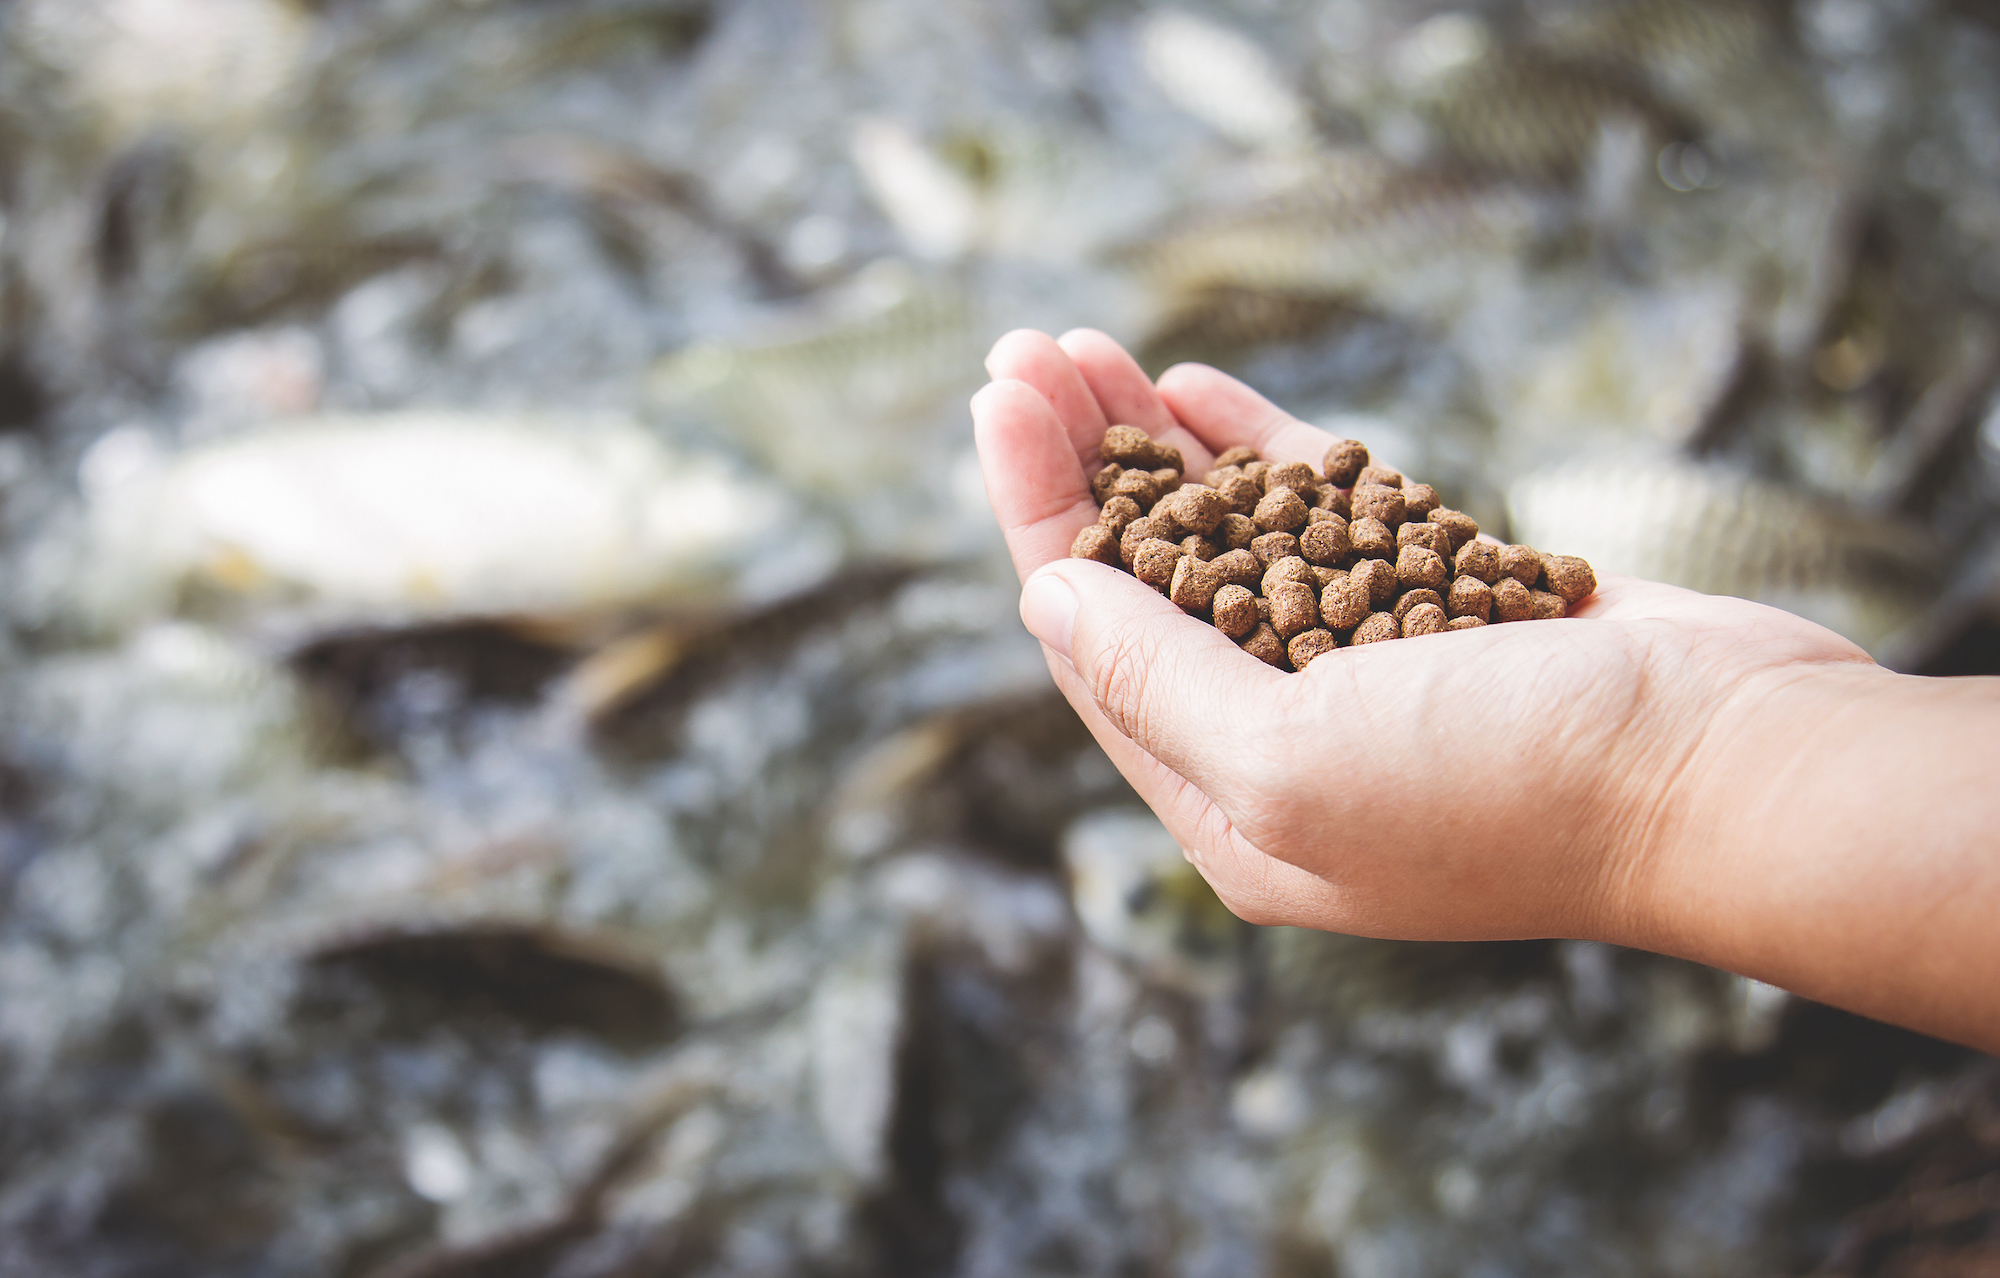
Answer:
[(1310, 645), (1263, 610), (1197, 507), (1417, 568), (1430, 536), (1236, 532), (1095, 542), (1169, 457), (1378, 474), (1325, 543), (1334, 501), (1547, 606), (1569, 577), (1194, 584), (1411, 598), (1478, 559), (1271, 547), (1379, 575), (1140, 487), (1424, 619), (1324, 577), (1292, 569), (1263, 643), (1241, 455), (1343, 604), (1297, 476), (1378, 501), (1461, 526), (1419, 500), (1130, 447), (1522, 563), (1168, 478), (1199, 547), (1235, 611), (1512, 601), (1240, 568), (1241, 493), (1140, 529), (1377, 627), (1294, 607), (1221, 475), (1154, 562), (1371, 539), (1281, 510), (1344, 462), (1254, 472), (1469, 597), (1101, 482), (1464, 623), (1118, 513), (1314, 515)]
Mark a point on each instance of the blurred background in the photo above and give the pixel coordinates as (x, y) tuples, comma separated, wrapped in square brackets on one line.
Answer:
[(517, 756)]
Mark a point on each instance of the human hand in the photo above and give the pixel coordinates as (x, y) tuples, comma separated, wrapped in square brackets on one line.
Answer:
[(1507, 781)]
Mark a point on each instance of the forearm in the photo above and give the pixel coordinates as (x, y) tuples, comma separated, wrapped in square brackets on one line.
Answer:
[(1838, 835)]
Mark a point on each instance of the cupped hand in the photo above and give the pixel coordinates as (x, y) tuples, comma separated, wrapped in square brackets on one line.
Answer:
[(1508, 781)]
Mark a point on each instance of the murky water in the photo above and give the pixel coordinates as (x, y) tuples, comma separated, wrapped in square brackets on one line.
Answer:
[(517, 753)]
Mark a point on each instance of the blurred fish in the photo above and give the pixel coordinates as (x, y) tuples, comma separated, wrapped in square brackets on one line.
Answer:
[(413, 515), (1718, 531), (1223, 79)]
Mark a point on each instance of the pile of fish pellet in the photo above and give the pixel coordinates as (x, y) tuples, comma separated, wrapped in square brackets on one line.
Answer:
[(1292, 562)]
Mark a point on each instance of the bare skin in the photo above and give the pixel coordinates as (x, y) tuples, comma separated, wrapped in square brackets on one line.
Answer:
[(1698, 776)]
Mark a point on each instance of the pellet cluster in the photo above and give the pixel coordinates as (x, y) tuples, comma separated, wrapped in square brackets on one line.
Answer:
[(1293, 562)]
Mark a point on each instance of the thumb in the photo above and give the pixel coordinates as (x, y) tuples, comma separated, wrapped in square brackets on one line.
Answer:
[(1173, 684)]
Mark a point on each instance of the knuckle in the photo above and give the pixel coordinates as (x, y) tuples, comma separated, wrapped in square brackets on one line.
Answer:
[(1121, 676)]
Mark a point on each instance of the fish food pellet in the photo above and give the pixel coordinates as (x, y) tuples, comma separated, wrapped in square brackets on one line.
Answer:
[(1469, 597), (1477, 559), (1430, 536), (1325, 543), (1569, 577), (1199, 547), (1419, 569), (1271, 547), (1283, 510), (1095, 542), (1521, 563), (1194, 584), (1343, 604), (1308, 645), (1377, 627), (1424, 619), (1118, 514), (1263, 643), (1240, 568), (1140, 487), (1376, 501), (1197, 507), (1411, 598), (1294, 607), (1370, 538), (1343, 463), (1379, 576), (1512, 601), (1297, 476), (1291, 568), (1101, 482), (1295, 564), (1419, 500), (1236, 532), (1130, 447), (1460, 526), (1154, 563), (1235, 611)]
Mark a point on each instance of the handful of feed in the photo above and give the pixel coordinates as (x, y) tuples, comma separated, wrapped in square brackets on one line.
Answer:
[(1293, 562)]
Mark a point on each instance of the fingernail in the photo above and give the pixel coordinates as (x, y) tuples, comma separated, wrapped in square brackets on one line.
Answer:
[(1048, 610)]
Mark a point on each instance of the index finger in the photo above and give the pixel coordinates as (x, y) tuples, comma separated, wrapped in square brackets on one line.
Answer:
[(1034, 479)]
